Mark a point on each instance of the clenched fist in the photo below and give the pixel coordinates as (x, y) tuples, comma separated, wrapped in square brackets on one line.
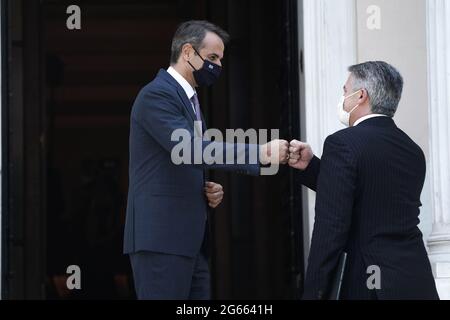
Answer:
[(214, 194), (300, 155), (274, 152)]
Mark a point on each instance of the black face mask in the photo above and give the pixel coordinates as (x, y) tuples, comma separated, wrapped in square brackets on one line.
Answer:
[(208, 74)]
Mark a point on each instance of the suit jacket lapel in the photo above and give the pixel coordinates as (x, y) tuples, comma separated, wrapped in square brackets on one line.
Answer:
[(182, 94), (191, 112), (186, 102)]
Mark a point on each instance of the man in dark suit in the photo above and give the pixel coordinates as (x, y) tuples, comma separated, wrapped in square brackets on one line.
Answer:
[(166, 221), (368, 186)]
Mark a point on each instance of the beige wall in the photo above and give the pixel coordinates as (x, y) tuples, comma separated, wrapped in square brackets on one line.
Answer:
[(401, 41)]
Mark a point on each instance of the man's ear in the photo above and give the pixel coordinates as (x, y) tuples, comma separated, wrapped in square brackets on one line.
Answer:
[(364, 96), (186, 51)]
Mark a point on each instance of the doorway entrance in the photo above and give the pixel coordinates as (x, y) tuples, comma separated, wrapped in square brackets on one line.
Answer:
[(70, 96)]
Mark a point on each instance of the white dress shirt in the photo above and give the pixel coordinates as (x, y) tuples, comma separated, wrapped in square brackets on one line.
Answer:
[(183, 83), (370, 116)]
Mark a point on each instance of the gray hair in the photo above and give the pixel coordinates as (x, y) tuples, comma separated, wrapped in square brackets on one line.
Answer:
[(383, 83), (194, 32)]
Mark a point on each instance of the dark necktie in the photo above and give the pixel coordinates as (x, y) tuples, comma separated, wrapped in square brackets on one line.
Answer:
[(194, 100)]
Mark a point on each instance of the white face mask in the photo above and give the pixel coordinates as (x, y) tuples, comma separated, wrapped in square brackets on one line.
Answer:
[(344, 116)]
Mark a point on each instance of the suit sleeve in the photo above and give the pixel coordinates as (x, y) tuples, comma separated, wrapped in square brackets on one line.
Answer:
[(309, 177), (160, 115), (334, 205)]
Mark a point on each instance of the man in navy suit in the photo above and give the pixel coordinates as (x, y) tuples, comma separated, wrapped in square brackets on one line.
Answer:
[(368, 186), (166, 221)]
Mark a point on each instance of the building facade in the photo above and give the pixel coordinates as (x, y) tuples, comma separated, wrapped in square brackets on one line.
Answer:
[(412, 35)]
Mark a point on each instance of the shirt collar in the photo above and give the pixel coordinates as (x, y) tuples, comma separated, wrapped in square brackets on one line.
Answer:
[(370, 116), (182, 82)]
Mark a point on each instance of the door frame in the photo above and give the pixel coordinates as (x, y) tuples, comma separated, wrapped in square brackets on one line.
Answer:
[(23, 152)]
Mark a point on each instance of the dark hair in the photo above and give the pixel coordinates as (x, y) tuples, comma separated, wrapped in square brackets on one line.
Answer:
[(194, 32), (383, 83)]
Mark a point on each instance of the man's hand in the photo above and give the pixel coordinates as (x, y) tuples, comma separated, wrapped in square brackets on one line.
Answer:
[(274, 152), (300, 155), (214, 193)]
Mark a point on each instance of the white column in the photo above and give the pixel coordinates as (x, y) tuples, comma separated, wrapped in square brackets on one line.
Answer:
[(438, 46), (329, 45)]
